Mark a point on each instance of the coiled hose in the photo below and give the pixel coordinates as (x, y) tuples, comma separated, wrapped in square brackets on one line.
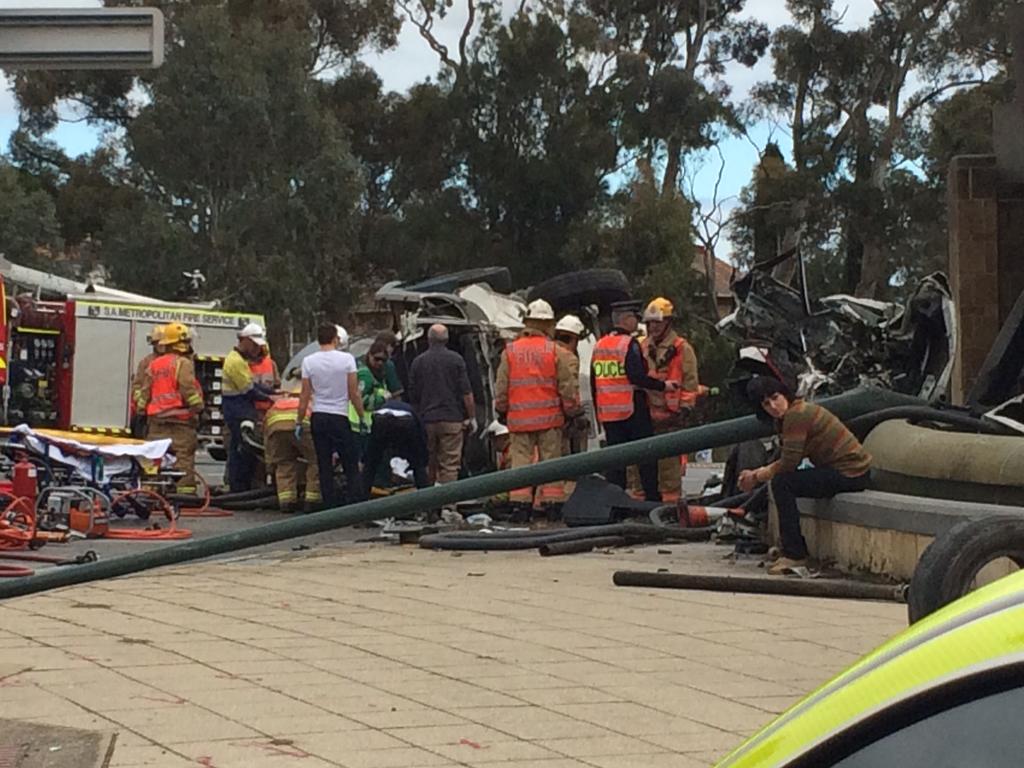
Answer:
[(915, 414)]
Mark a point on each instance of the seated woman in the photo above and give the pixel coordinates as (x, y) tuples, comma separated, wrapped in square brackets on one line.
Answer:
[(809, 432)]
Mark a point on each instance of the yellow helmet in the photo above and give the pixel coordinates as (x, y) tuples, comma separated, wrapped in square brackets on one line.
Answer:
[(659, 309), (176, 333), (156, 336)]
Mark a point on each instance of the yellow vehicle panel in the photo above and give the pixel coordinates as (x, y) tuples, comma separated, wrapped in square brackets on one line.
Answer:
[(981, 630)]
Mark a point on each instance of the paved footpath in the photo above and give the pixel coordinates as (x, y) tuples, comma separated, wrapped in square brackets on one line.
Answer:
[(394, 657)]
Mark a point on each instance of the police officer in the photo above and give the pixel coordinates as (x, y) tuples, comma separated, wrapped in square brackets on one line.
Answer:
[(669, 357), (620, 383)]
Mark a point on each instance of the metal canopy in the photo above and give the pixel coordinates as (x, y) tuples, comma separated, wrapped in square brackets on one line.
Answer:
[(81, 38)]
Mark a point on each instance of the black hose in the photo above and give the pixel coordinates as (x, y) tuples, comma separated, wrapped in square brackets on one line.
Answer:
[(268, 503), (580, 545), (915, 414), (507, 540), (836, 588), (255, 493)]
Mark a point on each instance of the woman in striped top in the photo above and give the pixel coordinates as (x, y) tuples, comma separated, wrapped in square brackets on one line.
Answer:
[(808, 431)]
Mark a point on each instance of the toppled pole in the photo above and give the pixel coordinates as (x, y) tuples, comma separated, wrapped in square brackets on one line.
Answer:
[(834, 588), (845, 406)]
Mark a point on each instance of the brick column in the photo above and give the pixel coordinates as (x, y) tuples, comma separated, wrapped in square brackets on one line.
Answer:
[(973, 263)]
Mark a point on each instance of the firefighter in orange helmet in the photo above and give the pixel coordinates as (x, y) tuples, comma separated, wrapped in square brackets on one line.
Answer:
[(669, 357), (537, 391), (172, 401)]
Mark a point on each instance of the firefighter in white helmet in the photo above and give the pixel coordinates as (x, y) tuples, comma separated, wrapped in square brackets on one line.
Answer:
[(568, 332), (537, 392), (669, 358)]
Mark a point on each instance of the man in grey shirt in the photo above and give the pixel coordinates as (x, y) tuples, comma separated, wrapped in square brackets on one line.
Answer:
[(439, 391)]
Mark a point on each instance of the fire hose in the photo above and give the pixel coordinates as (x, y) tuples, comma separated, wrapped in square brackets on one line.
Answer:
[(845, 406)]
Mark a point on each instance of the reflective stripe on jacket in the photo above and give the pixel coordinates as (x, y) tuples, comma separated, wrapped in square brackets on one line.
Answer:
[(664, 405), (262, 371), (282, 415), (612, 389), (165, 399), (534, 403)]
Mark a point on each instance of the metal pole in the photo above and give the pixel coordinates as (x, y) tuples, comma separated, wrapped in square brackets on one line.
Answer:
[(845, 406)]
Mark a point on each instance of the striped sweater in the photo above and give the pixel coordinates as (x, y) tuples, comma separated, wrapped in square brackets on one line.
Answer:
[(809, 431)]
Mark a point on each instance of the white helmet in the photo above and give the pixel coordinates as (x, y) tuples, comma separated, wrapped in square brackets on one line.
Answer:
[(342, 337), (571, 324), (539, 310), (255, 332)]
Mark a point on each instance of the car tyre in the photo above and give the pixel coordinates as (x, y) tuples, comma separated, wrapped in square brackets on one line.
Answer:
[(950, 564), (588, 286)]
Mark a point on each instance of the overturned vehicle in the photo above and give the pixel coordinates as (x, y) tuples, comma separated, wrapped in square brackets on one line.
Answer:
[(835, 343)]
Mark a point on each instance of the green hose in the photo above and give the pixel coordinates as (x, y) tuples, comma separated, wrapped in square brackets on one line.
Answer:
[(846, 406)]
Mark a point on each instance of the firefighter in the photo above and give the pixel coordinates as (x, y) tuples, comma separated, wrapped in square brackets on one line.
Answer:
[(669, 357), (172, 401), (568, 332), (240, 393), (266, 375), (292, 459), (536, 392), (620, 384), (138, 417)]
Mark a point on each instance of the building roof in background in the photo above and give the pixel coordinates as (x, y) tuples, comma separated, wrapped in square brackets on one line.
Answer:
[(723, 271)]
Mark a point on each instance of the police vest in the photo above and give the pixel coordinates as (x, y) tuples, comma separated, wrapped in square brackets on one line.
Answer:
[(663, 405), (534, 404), (263, 374), (165, 400), (612, 388)]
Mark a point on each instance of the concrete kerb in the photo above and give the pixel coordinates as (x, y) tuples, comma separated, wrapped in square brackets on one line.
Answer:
[(846, 406)]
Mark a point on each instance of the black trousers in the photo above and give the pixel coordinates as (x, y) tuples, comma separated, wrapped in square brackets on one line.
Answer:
[(635, 427), (332, 434), (400, 436), (816, 483), (241, 460)]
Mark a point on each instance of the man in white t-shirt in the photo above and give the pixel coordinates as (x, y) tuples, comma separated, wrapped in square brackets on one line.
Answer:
[(329, 379)]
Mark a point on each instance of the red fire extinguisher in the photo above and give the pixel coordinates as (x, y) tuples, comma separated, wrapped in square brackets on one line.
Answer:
[(24, 482)]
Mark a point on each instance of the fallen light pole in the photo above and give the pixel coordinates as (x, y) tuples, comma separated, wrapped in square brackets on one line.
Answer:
[(834, 588), (845, 406)]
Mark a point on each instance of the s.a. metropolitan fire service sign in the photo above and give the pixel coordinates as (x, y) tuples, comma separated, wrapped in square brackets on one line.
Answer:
[(195, 316)]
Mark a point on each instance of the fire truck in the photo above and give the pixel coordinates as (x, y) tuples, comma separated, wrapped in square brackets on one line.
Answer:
[(68, 363)]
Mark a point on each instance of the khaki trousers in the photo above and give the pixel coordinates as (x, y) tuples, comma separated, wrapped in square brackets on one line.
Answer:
[(528, 448), (294, 464), (444, 447), (182, 435)]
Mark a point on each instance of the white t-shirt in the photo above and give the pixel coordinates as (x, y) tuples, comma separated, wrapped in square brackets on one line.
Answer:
[(328, 376)]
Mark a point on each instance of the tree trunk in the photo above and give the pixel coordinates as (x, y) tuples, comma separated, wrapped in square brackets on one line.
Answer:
[(874, 273), (668, 185), (710, 275)]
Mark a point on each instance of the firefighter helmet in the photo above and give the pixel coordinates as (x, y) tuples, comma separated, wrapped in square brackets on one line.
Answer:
[(571, 324), (156, 336), (659, 309), (176, 333), (539, 310)]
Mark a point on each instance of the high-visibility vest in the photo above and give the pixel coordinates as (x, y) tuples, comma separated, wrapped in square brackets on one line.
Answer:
[(612, 388), (263, 374), (534, 403), (664, 405), (165, 400), (282, 414)]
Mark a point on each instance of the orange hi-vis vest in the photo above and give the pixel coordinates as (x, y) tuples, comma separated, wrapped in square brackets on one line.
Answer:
[(664, 405), (263, 374), (165, 400), (283, 411), (613, 391), (534, 404)]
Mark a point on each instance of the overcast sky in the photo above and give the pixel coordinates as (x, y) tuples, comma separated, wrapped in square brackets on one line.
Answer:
[(413, 61)]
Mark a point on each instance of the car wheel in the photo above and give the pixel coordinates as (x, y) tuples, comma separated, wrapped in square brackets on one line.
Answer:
[(951, 564), (589, 286)]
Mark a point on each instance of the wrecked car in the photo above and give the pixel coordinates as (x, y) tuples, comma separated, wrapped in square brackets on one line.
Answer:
[(835, 343)]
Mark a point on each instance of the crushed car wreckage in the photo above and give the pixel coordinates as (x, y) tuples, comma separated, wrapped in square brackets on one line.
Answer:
[(836, 343)]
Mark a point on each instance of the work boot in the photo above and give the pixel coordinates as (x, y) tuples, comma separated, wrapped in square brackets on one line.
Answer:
[(288, 507)]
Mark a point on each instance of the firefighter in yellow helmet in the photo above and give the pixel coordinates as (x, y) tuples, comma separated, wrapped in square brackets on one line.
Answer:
[(138, 418), (172, 400), (669, 358)]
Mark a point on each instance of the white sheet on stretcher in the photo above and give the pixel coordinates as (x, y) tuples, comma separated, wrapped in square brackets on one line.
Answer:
[(117, 459)]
